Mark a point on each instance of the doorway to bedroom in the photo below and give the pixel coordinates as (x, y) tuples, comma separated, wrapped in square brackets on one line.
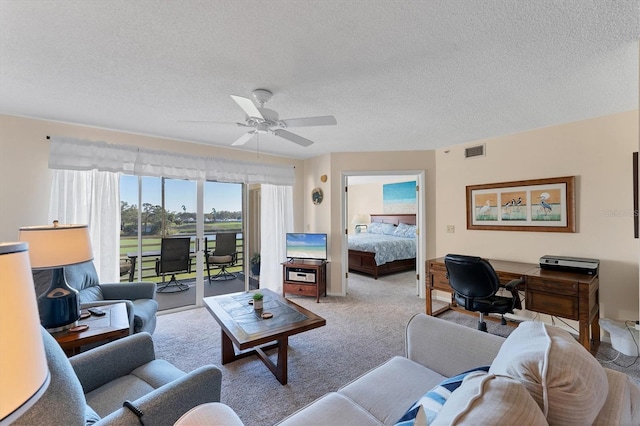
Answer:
[(383, 209)]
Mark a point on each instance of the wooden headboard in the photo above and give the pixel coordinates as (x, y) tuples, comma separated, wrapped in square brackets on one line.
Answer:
[(395, 219)]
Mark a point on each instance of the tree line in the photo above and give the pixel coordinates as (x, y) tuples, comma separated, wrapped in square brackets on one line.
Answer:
[(152, 218)]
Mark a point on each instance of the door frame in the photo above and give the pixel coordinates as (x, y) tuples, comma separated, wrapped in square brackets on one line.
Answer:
[(421, 248)]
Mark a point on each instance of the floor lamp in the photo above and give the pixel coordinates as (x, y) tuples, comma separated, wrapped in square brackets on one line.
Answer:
[(54, 247), (24, 375)]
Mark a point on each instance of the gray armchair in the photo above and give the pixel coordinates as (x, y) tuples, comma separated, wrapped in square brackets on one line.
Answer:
[(139, 296), (92, 386)]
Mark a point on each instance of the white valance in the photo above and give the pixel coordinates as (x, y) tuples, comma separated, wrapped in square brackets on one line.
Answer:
[(75, 154)]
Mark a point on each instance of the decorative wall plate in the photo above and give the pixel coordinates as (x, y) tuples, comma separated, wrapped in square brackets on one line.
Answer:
[(317, 196)]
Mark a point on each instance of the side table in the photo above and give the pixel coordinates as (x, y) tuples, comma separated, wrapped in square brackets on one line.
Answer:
[(113, 325)]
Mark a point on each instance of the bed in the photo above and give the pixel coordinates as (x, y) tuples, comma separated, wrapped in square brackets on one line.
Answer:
[(379, 254)]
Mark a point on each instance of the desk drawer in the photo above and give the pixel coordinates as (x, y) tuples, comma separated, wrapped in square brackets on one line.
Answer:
[(303, 289), (561, 288), (552, 297), (439, 279), (552, 304)]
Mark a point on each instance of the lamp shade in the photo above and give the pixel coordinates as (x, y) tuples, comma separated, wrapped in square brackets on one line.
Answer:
[(360, 219), (54, 246), (24, 375)]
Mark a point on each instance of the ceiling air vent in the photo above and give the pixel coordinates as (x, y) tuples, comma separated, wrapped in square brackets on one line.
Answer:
[(474, 151)]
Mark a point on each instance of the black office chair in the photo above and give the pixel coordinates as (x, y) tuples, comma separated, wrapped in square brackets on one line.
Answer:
[(174, 257), (475, 284), (224, 256)]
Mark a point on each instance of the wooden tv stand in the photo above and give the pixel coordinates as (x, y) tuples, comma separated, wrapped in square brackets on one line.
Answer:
[(307, 278)]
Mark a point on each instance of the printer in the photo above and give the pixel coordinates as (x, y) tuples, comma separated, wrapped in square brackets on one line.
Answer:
[(570, 264)]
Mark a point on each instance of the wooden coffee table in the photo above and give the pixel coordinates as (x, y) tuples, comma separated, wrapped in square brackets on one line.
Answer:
[(244, 327), (113, 325)]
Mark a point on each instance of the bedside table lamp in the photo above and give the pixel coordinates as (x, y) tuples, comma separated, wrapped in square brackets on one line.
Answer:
[(53, 247), (24, 375), (360, 221)]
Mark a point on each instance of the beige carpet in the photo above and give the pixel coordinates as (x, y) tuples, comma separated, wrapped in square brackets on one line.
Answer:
[(363, 330)]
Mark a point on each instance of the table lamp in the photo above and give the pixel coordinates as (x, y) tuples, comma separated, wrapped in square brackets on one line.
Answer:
[(54, 247), (360, 221), (24, 375)]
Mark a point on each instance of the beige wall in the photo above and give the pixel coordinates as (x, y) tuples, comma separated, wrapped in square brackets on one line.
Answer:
[(363, 198), (317, 217), (598, 152), (24, 175)]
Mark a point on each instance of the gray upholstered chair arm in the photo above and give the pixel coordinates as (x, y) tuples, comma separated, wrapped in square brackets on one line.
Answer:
[(429, 341), (168, 403), (103, 364), (129, 291)]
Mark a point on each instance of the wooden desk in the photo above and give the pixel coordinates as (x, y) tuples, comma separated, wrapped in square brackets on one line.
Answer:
[(562, 294)]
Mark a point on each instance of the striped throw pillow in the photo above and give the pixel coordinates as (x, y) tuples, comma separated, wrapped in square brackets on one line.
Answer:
[(433, 400)]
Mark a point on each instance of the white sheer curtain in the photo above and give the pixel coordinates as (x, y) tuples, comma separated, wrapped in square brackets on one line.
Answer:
[(91, 197), (276, 217)]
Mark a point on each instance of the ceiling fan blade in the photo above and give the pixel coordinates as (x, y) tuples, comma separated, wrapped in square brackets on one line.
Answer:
[(213, 122), (247, 106), (292, 137), (327, 120), (244, 138)]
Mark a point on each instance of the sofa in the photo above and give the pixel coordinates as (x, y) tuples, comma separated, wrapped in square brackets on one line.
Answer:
[(138, 296), (538, 375), (91, 387)]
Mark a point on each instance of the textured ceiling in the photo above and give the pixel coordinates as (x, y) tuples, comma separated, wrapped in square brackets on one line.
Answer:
[(397, 75)]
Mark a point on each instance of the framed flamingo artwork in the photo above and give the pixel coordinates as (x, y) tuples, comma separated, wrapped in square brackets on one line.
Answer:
[(541, 205)]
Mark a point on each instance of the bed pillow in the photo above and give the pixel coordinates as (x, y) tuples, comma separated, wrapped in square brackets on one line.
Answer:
[(410, 232), (401, 230), (376, 228), (485, 399), (388, 229), (566, 381)]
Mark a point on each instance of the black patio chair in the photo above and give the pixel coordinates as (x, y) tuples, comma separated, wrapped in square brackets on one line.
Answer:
[(174, 257)]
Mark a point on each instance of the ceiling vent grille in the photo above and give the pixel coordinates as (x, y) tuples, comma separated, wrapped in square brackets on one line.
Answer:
[(474, 151)]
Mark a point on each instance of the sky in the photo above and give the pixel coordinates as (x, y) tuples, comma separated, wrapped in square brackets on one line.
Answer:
[(218, 195)]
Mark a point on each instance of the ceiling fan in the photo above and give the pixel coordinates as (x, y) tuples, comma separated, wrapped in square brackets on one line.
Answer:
[(264, 120)]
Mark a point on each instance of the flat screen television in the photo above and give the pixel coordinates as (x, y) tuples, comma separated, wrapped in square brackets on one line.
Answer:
[(306, 246)]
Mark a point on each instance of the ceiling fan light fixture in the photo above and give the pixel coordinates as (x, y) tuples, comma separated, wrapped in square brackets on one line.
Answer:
[(261, 96)]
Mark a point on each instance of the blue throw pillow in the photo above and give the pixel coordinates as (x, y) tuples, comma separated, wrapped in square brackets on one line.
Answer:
[(433, 400)]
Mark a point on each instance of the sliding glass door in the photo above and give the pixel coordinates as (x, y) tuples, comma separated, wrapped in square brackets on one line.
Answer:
[(175, 208), (223, 214)]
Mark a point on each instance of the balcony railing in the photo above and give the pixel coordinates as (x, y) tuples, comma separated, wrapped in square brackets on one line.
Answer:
[(151, 243)]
